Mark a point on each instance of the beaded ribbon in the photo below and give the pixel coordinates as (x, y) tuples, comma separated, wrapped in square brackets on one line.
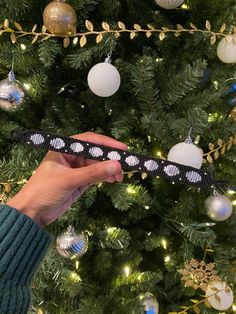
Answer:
[(129, 160)]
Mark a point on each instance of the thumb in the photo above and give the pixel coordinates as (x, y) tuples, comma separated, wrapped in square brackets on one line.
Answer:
[(94, 173)]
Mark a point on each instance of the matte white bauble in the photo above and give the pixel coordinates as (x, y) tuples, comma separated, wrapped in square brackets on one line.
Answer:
[(186, 154), (169, 4), (104, 79), (219, 207), (222, 300), (226, 49)]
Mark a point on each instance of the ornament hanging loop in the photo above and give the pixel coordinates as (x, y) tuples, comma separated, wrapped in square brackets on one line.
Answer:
[(189, 139), (11, 75)]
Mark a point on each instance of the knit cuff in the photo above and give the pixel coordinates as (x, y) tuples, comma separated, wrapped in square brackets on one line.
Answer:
[(23, 244)]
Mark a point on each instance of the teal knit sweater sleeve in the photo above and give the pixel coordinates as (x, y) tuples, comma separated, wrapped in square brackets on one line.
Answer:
[(23, 244)]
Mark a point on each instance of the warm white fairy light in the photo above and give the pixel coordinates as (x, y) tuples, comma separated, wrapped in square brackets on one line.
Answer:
[(75, 41), (131, 189), (164, 243), (231, 192), (185, 6), (111, 229), (27, 86), (147, 207), (234, 203), (234, 308), (167, 259), (22, 46), (127, 270), (74, 277), (159, 153), (77, 265)]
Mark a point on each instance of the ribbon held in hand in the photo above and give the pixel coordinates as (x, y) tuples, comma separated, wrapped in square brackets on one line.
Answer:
[(129, 161)]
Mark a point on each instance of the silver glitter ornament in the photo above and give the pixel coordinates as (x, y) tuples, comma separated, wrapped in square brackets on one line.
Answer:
[(12, 93), (70, 244), (219, 207), (150, 303)]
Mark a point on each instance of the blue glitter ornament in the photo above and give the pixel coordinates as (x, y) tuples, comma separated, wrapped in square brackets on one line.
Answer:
[(69, 244)]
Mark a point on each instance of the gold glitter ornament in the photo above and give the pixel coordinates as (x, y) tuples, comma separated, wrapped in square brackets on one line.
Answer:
[(198, 275), (60, 18)]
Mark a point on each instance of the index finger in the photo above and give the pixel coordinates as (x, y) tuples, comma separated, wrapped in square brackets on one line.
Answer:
[(95, 138), (100, 139)]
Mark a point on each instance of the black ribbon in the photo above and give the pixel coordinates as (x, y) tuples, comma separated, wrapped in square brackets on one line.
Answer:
[(129, 161)]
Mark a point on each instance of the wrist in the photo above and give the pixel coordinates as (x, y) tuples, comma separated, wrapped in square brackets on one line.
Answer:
[(23, 205)]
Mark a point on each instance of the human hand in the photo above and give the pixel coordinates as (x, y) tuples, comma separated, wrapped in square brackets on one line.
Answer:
[(61, 178)]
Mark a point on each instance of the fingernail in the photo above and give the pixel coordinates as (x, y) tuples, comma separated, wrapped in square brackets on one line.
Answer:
[(113, 168)]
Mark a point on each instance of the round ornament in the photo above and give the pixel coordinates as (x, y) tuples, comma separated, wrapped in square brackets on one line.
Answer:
[(219, 207), (186, 153), (169, 4), (150, 303), (104, 79), (12, 94), (219, 295), (69, 244), (60, 18), (226, 49)]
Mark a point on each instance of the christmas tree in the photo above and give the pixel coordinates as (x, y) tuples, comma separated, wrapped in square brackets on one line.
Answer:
[(143, 231)]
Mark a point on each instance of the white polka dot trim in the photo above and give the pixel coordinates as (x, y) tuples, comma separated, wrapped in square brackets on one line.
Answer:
[(151, 165), (77, 147), (132, 160), (193, 176), (114, 155), (37, 139), (57, 143), (171, 170), (96, 151)]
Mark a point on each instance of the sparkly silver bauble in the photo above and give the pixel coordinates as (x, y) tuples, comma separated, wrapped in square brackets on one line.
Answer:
[(70, 244), (150, 303), (12, 94), (169, 4), (219, 207), (186, 153), (219, 295), (104, 79)]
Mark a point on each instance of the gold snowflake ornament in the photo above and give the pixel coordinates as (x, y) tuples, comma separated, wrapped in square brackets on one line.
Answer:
[(198, 275)]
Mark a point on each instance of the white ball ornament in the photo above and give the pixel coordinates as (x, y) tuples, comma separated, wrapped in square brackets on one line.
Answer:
[(226, 49), (221, 300), (186, 153), (169, 4), (219, 207), (104, 79)]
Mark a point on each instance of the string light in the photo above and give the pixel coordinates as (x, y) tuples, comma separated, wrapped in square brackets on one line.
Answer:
[(131, 189), (164, 243), (74, 277), (159, 153), (111, 230), (127, 270), (167, 259), (147, 207), (27, 86), (231, 192), (77, 265), (234, 308), (185, 6), (22, 46), (234, 203), (75, 41)]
